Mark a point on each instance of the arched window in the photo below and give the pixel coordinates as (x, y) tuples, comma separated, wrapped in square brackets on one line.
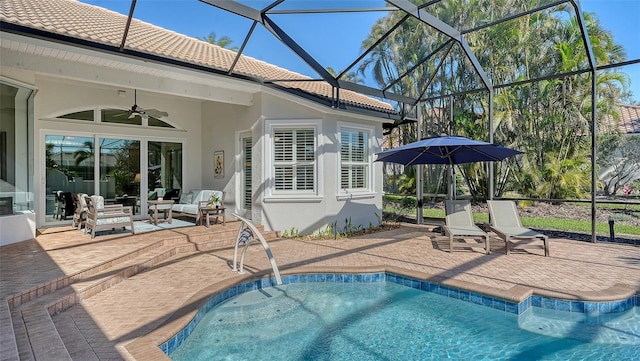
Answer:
[(117, 116)]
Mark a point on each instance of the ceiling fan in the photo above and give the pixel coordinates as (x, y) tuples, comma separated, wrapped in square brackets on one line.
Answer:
[(143, 113)]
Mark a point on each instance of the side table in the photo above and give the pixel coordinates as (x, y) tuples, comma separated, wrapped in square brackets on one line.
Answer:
[(163, 205), (207, 211)]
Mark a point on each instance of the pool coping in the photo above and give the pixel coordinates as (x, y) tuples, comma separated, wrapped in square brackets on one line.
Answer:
[(148, 347)]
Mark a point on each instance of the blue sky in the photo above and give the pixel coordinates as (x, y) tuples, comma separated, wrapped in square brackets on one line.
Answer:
[(328, 41)]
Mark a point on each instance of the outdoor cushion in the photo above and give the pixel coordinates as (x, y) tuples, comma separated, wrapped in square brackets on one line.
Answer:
[(186, 208), (196, 196), (98, 201), (186, 198), (160, 192), (106, 221)]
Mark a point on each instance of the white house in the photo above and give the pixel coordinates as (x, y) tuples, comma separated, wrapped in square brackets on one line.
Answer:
[(294, 155)]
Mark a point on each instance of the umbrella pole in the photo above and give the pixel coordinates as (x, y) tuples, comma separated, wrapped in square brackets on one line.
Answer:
[(452, 181), (451, 190), (419, 195)]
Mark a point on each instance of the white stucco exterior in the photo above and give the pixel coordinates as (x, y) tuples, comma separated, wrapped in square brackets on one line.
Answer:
[(210, 113)]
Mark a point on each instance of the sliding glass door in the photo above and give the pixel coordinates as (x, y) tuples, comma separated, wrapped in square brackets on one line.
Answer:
[(69, 169), (164, 176), (111, 167), (120, 172)]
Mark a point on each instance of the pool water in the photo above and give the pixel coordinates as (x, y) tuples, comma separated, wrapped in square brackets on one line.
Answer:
[(387, 321)]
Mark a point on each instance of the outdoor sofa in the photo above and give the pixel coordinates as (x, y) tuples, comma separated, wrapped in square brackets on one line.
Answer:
[(189, 203)]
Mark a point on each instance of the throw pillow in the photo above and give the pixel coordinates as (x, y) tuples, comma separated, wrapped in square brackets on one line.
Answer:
[(186, 198)]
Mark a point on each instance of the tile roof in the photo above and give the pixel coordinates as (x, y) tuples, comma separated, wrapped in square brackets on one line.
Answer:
[(629, 119), (98, 25), (627, 122)]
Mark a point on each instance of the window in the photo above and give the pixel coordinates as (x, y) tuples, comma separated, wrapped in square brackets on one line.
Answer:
[(247, 151), (294, 160), (83, 115), (16, 149), (354, 159), (117, 116)]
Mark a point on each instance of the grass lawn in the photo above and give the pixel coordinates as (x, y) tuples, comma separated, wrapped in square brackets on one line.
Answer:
[(571, 225)]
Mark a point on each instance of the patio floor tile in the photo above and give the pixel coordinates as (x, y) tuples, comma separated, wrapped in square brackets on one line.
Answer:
[(101, 326)]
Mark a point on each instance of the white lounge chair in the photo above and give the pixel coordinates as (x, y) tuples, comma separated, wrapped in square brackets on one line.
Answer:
[(459, 225), (505, 222)]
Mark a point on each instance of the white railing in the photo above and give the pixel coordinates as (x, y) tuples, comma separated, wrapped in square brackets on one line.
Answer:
[(248, 234)]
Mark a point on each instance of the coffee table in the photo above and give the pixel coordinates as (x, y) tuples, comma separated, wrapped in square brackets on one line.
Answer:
[(163, 205)]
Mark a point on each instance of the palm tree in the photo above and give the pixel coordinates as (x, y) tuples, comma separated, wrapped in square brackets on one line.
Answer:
[(49, 156), (351, 76), (223, 42), (549, 120), (84, 153)]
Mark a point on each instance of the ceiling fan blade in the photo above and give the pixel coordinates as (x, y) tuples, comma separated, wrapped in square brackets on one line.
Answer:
[(145, 114), (156, 113), (123, 114)]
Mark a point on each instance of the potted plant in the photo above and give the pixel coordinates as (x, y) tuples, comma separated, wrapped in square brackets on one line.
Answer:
[(214, 200)]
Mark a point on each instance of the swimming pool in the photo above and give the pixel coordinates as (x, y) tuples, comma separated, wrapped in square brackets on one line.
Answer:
[(384, 316)]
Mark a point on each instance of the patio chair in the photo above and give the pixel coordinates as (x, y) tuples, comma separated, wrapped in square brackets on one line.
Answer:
[(101, 216), (64, 205), (459, 225), (505, 222), (80, 212), (59, 205)]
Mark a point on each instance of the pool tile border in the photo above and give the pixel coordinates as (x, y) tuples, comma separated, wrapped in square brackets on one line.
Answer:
[(517, 308)]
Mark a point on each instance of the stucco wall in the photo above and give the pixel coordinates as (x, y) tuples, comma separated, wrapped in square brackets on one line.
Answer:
[(58, 96), (205, 127), (307, 217), (221, 127)]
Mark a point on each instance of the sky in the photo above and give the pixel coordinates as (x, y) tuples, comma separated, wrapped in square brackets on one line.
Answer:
[(336, 41)]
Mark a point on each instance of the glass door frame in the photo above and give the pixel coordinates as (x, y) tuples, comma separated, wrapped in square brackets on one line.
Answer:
[(144, 161), (143, 144), (44, 133)]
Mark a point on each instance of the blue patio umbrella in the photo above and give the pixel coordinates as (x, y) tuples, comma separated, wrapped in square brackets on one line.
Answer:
[(449, 150)]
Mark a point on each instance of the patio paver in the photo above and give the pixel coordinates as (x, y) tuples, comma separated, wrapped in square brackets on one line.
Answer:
[(116, 322)]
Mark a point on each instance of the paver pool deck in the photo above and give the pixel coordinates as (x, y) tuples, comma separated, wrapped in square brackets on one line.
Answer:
[(117, 297)]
